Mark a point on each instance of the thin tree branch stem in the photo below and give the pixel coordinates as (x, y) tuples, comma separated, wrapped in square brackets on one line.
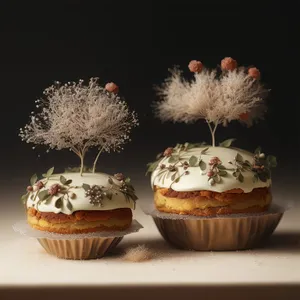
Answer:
[(96, 159)]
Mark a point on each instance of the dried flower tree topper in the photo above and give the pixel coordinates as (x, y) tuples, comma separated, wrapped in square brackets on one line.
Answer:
[(217, 96), (78, 117)]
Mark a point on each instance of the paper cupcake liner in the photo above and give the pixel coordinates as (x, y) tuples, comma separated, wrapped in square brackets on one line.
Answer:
[(220, 233), (87, 248), (77, 246)]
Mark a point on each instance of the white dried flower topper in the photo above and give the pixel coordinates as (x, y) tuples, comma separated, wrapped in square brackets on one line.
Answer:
[(217, 97), (78, 117)]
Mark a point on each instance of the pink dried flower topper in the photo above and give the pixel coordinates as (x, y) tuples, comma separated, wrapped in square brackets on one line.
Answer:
[(228, 64), (254, 73), (168, 152), (195, 66), (112, 87)]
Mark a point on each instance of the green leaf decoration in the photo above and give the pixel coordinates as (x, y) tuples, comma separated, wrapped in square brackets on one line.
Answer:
[(24, 198), (69, 181), (241, 177), (227, 143), (235, 174), (43, 195), (133, 196), (33, 179), (69, 205), (222, 173), (159, 155), (255, 178), (86, 186), (152, 166), (50, 172), (173, 177), (203, 151), (177, 179), (239, 158), (262, 177), (202, 165), (110, 180), (109, 195), (193, 161), (257, 150), (271, 161), (127, 180), (173, 159), (221, 167), (59, 203), (62, 179)]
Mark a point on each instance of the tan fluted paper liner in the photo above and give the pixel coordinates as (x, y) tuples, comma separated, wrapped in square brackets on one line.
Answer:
[(77, 246), (228, 232), (218, 233), (88, 248)]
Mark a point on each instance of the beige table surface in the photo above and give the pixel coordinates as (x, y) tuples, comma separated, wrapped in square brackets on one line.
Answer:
[(27, 270)]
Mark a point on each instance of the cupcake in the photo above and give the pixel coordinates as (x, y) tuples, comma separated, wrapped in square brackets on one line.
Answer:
[(71, 203), (209, 181), (209, 196), (80, 117)]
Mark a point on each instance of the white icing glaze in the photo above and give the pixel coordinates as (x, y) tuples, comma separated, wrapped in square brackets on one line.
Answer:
[(196, 180), (80, 202)]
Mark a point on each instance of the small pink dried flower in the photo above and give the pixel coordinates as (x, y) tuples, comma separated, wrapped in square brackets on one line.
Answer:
[(228, 64), (254, 73), (214, 161), (112, 87), (119, 176), (210, 173), (29, 188), (195, 66), (168, 152), (54, 189), (39, 185)]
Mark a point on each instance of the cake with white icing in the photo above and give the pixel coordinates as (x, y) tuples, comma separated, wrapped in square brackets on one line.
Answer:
[(74, 203), (80, 117), (209, 180)]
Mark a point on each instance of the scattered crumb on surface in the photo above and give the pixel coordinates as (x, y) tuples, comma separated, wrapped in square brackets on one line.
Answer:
[(139, 253)]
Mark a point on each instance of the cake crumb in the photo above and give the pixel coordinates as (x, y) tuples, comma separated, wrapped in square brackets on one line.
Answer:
[(139, 253)]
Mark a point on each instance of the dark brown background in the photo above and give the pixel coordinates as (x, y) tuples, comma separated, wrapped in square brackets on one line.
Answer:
[(134, 43)]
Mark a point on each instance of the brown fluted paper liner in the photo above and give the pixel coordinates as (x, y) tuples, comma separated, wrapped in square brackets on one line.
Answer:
[(77, 246), (88, 248), (228, 233)]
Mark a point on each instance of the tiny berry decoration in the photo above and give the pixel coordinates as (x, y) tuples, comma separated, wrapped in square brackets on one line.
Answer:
[(195, 66), (112, 87), (119, 176), (210, 173), (254, 73), (168, 152), (39, 185), (228, 64), (244, 116), (214, 161), (54, 189), (29, 188)]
